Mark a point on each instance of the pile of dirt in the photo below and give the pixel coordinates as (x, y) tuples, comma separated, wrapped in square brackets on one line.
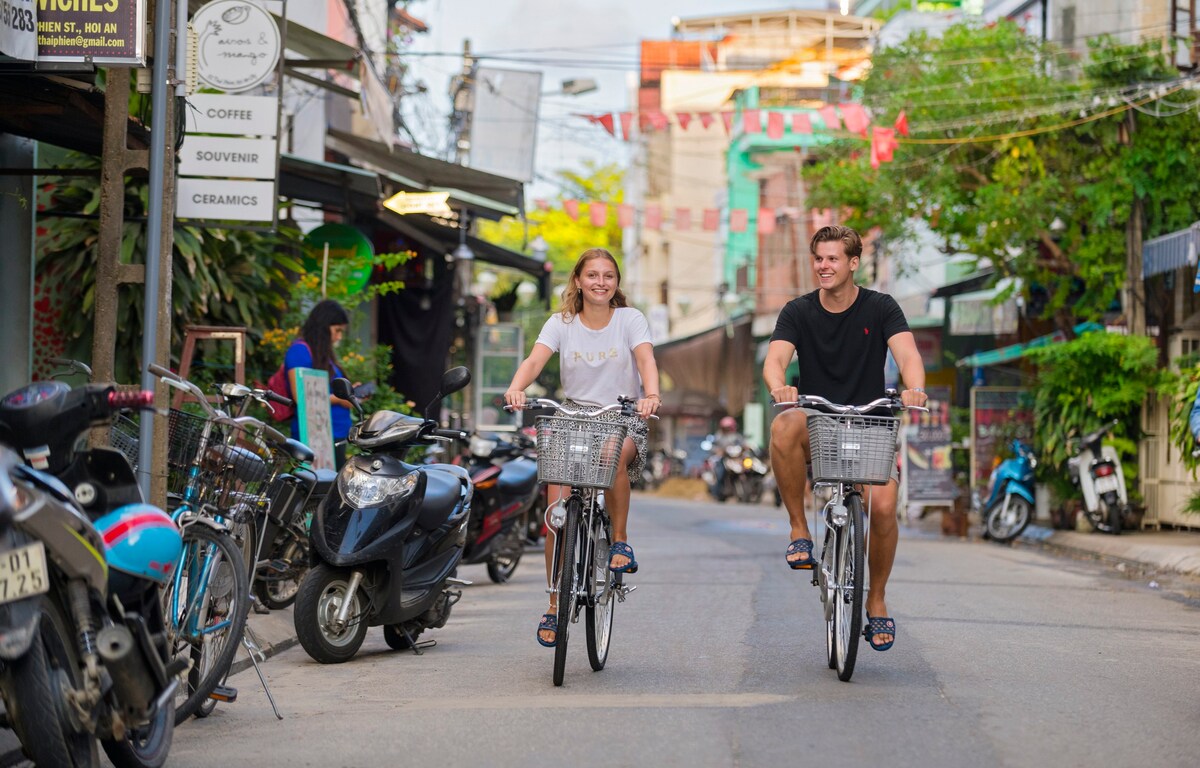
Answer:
[(682, 488)]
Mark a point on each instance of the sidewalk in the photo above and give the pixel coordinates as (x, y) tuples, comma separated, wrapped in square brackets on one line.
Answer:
[(1163, 551)]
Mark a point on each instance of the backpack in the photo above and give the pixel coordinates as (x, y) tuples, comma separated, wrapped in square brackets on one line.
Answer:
[(278, 383)]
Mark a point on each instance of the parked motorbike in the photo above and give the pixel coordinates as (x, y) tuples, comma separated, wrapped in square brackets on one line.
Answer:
[(1097, 472), (82, 635), (387, 540), (505, 498), (743, 475), (1010, 502)]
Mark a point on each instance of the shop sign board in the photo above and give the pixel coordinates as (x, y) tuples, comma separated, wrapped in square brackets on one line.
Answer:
[(225, 199), (233, 115), (419, 202), (18, 29), (105, 32), (998, 414), (237, 45), (314, 421), (228, 156)]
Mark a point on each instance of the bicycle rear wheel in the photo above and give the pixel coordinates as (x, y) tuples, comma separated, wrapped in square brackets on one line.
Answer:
[(849, 574), (602, 597), (568, 567), (206, 604)]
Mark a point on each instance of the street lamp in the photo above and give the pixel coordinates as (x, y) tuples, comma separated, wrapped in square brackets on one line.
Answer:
[(575, 87), (539, 248), (525, 292)]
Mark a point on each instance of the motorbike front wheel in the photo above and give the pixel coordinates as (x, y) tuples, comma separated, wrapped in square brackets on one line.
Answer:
[(318, 601), (1007, 518), (34, 686)]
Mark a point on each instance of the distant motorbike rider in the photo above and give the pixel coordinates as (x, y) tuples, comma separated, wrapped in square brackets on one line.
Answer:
[(727, 437)]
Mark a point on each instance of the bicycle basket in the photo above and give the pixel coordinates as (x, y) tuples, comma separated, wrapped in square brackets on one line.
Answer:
[(852, 449), (577, 452), (184, 434)]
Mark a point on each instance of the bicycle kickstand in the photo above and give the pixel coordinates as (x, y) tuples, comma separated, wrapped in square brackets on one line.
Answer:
[(250, 640)]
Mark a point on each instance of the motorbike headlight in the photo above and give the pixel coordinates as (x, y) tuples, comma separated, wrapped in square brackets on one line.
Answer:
[(364, 489), (747, 462)]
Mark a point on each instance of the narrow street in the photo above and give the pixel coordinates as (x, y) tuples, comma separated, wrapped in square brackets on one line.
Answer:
[(1004, 657)]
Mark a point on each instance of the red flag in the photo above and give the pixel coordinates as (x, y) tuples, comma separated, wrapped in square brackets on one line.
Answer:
[(801, 123), (683, 219), (752, 121), (572, 209), (856, 119), (658, 121), (883, 144), (775, 125), (624, 215), (626, 125), (727, 119), (606, 120), (598, 213), (738, 219), (712, 219), (706, 119), (541, 204), (653, 217), (901, 124), (684, 119), (829, 116), (766, 221)]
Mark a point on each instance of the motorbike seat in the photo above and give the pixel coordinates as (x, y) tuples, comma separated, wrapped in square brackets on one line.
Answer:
[(518, 477), (319, 481), (299, 451)]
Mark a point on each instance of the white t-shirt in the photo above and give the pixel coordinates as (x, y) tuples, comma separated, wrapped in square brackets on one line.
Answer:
[(597, 366)]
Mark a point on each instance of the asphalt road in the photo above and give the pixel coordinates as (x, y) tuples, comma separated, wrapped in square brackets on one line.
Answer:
[(1004, 657)]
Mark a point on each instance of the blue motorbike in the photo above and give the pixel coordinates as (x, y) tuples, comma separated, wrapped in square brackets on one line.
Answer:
[(1010, 502)]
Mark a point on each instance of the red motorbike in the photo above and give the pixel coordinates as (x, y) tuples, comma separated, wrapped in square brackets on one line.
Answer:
[(507, 501)]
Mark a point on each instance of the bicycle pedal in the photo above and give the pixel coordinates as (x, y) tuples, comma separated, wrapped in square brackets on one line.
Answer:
[(278, 566), (623, 590), (224, 693)]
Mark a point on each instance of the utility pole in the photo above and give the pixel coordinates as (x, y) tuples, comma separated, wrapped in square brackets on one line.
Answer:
[(1133, 299), (462, 96)]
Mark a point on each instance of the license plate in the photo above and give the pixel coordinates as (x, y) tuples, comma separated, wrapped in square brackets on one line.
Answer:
[(23, 572), (1106, 484)]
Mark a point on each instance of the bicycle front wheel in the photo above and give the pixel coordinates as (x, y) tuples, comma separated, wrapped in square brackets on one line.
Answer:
[(849, 575), (568, 567), (206, 604), (601, 597), (825, 578)]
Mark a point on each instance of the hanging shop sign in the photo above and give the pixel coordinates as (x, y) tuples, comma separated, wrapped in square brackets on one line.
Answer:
[(18, 30), (433, 203), (333, 245), (106, 32), (225, 199), (237, 45), (234, 156), (232, 115)]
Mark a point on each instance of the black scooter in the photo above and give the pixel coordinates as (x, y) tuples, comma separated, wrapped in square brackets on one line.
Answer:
[(387, 540)]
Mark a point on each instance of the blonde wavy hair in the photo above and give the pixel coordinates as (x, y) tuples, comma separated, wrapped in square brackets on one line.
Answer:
[(572, 299)]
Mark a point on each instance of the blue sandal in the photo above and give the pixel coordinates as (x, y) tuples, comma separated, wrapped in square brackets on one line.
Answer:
[(549, 623), (623, 549), (797, 547), (880, 625)]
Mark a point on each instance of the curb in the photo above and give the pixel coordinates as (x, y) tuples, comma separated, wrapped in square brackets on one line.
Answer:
[(1046, 539)]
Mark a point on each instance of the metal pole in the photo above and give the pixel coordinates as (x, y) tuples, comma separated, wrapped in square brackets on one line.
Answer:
[(154, 223)]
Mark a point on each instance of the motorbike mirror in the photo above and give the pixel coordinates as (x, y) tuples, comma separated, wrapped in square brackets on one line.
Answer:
[(341, 387), (452, 380)]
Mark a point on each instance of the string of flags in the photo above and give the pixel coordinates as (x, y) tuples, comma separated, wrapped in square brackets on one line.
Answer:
[(684, 218), (852, 118)]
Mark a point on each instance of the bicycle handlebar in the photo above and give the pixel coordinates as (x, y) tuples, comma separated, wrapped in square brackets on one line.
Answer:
[(173, 379), (545, 402), (882, 402)]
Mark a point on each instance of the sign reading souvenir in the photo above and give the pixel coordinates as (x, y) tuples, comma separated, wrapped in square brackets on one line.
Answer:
[(228, 156), (433, 203), (18, 29), (237, 45), (228, 199), (234, 115), (331, 244), (106, 32)]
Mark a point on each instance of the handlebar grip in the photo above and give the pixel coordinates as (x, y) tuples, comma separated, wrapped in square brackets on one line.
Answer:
[(453, 434), (161, 372), (277, 398), (132, 399)]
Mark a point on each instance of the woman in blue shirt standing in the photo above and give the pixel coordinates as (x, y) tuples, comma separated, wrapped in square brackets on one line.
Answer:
[(322, 331)]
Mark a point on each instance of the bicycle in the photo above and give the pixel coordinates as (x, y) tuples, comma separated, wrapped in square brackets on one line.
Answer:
[(577, 451), (848, 448)]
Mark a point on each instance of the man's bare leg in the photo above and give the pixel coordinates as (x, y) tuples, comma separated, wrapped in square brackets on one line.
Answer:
[(881, 553), (789, 460)]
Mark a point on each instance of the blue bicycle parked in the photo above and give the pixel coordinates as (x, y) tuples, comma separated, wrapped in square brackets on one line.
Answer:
[(1010, 502)]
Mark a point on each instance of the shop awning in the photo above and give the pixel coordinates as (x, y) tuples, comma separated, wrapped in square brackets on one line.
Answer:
[(437, 237), (1170, 252), (717, 364), (329, 184), (1016, 351)]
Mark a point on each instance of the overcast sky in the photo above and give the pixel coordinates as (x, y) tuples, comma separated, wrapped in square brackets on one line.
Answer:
[(595, 39)]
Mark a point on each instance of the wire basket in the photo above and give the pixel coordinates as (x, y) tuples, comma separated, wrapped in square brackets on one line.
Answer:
[(577, 452), (185, 433), (852, 449)]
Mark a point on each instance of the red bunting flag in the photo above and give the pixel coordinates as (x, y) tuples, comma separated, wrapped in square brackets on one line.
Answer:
[(775, 125), (598, 213), (856, 119), (653, 217), (626, 125), (541, 204), (684, 119), (727, 119), (572, 209), (901, 124), (801, 123), (706, 119), (624, 215), (658, 121), (738, 219), (712, 219), (883, 144), (683, 219), (829, 116), (606, 120), (752, 121), (766, 221)]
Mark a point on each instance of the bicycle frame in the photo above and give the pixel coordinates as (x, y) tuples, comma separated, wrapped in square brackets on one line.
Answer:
[(590, 507)]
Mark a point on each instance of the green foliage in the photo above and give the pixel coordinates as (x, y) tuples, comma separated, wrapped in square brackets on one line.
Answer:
[(996, 199), (1084, 383), (1180, 404)]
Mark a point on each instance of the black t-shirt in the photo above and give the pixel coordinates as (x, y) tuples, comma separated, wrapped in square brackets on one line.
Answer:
[(841, 354)]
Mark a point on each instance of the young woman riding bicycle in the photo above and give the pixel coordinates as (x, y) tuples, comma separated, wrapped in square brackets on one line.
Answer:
[(604, 352)]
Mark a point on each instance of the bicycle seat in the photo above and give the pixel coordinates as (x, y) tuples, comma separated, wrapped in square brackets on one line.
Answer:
[(299, 451)]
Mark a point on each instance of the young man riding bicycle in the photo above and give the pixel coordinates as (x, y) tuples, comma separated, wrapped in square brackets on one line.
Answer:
[(841, 334)]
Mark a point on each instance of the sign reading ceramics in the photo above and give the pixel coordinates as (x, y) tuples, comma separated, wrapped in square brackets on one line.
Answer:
[(227, 166), (107, 32)]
